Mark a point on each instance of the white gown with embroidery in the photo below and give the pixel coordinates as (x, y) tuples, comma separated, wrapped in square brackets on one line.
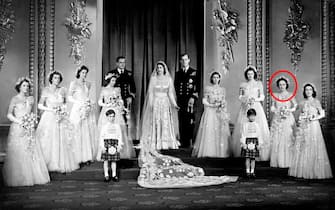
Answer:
[(213, 135), (24, 164), (82, 116), (248, 90), (281, 131), (160, 131), (310, 159), (56, 137), (112, 96)]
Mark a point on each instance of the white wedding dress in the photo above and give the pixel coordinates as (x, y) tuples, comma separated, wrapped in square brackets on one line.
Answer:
[(160, 131)]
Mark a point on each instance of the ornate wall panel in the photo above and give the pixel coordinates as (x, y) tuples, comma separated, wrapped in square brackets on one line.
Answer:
[(250, 30), (41, 44), (52, 36), (32, 43)]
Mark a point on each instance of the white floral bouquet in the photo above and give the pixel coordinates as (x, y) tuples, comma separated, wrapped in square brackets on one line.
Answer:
[(115, 102), (29, 123), (283, 112), (221, 109), (60, 112), (305, 117), (85, 110), (250, 102)]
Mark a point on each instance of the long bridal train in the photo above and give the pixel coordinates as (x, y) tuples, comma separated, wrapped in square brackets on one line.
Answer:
[(160, 111)]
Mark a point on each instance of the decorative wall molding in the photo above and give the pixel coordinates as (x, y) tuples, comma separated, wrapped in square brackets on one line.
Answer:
[(225, 22), (77, 24), (7, 26), (259, 37), (250, 34), (41, 44), (267, 58), (324, 57), (32, 44), (332, 62), (52, 35), (297, 31)]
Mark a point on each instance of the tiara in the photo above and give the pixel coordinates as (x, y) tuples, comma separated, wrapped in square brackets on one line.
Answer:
[(110, 75), (250, 67), (283, 78), (19, 80), (216, 73), (309, 83)]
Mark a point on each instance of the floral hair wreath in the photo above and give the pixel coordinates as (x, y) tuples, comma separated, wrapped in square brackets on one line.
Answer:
[(309, 84), (283, 78), (215, 72), (19, 80), (110, 75), (250, 67)]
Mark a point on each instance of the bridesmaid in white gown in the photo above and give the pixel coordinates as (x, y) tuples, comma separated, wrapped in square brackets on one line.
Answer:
[(310, 159), (110, 98), (251, 96), (24, 164), (82, 116), (213, 135), (55, 132), (282, 125)]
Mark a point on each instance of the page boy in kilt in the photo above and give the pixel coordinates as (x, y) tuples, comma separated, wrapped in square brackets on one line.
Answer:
[(110, 143), (250, 142)]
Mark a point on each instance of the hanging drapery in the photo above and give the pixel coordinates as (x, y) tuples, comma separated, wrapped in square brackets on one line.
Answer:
[(146, 31)]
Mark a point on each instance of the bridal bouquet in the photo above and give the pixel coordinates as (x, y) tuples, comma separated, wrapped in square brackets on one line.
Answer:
[(61, 113), (86, 109), (250, 103), (29, 123), (305, 117), (221, 109), (115, 101), (283, 112)]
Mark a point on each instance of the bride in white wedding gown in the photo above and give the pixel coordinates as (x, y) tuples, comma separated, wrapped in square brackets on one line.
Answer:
[(160, 131)]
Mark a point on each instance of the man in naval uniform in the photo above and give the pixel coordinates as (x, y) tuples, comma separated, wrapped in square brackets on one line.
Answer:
[(187, 90)]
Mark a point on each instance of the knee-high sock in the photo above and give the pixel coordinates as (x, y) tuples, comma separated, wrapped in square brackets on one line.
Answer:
[(106, 168), (113, 165)]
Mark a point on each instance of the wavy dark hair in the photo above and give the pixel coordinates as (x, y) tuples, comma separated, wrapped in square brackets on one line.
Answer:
[(17, 86), (53, 74), (314, 91), (83, 67), (282, 79)]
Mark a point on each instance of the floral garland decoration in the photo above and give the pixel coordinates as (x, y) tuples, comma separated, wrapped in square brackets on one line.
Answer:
[(77, 25), (7, 26), (226, 22), (297, 31)]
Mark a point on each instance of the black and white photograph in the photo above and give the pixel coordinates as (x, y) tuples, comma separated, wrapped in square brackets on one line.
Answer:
[(167, 104)]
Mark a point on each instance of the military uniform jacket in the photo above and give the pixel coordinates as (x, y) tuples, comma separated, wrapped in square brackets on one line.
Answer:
[(186, 85), (126, 83)]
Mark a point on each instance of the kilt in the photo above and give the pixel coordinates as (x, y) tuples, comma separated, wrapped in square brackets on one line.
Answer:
[(254, 153), (106, 155)]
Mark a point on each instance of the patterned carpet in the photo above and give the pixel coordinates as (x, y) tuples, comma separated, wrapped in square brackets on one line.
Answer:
[(261, 193)]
